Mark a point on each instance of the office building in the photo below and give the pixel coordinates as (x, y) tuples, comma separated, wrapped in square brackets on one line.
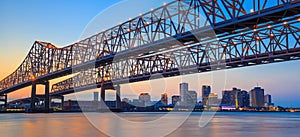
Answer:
[(226, 97), (257, 97), (183, 91), (205, 93), (144, 98), (191, 97), (268, 99), (213, 99), (229, 97), (243, 98), (164, 99)]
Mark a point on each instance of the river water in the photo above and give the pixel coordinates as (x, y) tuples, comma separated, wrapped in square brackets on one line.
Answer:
[(230, 124)]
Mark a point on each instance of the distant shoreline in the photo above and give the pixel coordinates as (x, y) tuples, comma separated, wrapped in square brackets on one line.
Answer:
[(18, 112)]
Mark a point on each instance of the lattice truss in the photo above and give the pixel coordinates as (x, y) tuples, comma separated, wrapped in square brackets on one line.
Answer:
[(267, 43)]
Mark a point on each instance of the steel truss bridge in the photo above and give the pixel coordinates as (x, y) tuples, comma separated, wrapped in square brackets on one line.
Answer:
[(181, 37)]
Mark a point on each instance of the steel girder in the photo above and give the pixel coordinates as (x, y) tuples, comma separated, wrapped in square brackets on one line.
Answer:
[(267, 43), (176, 20)]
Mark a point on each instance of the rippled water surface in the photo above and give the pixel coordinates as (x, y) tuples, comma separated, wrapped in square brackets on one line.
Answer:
[(78, 125)]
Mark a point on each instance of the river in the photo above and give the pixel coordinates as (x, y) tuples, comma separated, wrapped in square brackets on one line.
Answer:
[(223, 124)]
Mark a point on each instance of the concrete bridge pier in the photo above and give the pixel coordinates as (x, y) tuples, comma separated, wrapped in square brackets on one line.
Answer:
[(3, 98), (47, 96), (62, 101), (102, 101), (33, 96), (118, 98)]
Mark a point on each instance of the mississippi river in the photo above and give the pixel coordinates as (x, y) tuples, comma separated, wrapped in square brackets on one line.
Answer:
[(229, 124)]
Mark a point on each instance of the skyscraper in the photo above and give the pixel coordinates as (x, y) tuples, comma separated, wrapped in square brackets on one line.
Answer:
[(164, 99), (192, 97), (229, 97), (243, 99), (257, 97), (226, 97), (175, 99), (183, 91), (205, 93)]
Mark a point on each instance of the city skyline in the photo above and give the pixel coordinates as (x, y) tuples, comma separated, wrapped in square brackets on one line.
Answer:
[(239, 94), (283, 86)]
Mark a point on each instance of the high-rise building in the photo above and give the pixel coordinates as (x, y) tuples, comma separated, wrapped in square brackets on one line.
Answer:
[(229, 97), (184, 91), (213, 99), (191, 97), (226, 97), (268, 99), (205, 93), (175, 99), (164, 99), (243, 99), (96, 96), (144, 98), (257, 97)]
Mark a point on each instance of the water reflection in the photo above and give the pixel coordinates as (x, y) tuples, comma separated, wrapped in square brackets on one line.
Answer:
[(223, 124)]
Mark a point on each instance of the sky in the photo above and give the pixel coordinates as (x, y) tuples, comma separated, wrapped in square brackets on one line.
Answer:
[(65, 22)]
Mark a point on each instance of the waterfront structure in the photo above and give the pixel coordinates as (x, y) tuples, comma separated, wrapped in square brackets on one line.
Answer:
[(268, 99), (191, 97), (175, 99), (183, 88), (257, 97), (243, 99), (205, 93), (213, 99), (144, 98), (229, 97), (164, 99)]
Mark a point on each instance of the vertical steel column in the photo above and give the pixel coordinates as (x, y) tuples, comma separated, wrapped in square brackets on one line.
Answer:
[(47, 96), (33, 96), (118, 94)]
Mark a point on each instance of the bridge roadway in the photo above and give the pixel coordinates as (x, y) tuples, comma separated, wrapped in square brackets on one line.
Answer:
[(164, 28), (267, 44)]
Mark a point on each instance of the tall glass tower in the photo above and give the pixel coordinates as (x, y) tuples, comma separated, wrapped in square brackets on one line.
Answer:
[(184, 88)]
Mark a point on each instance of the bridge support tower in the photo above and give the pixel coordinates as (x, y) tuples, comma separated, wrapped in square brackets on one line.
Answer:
[(3, 98), (33, 97), (118, 96), (102, 101)]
